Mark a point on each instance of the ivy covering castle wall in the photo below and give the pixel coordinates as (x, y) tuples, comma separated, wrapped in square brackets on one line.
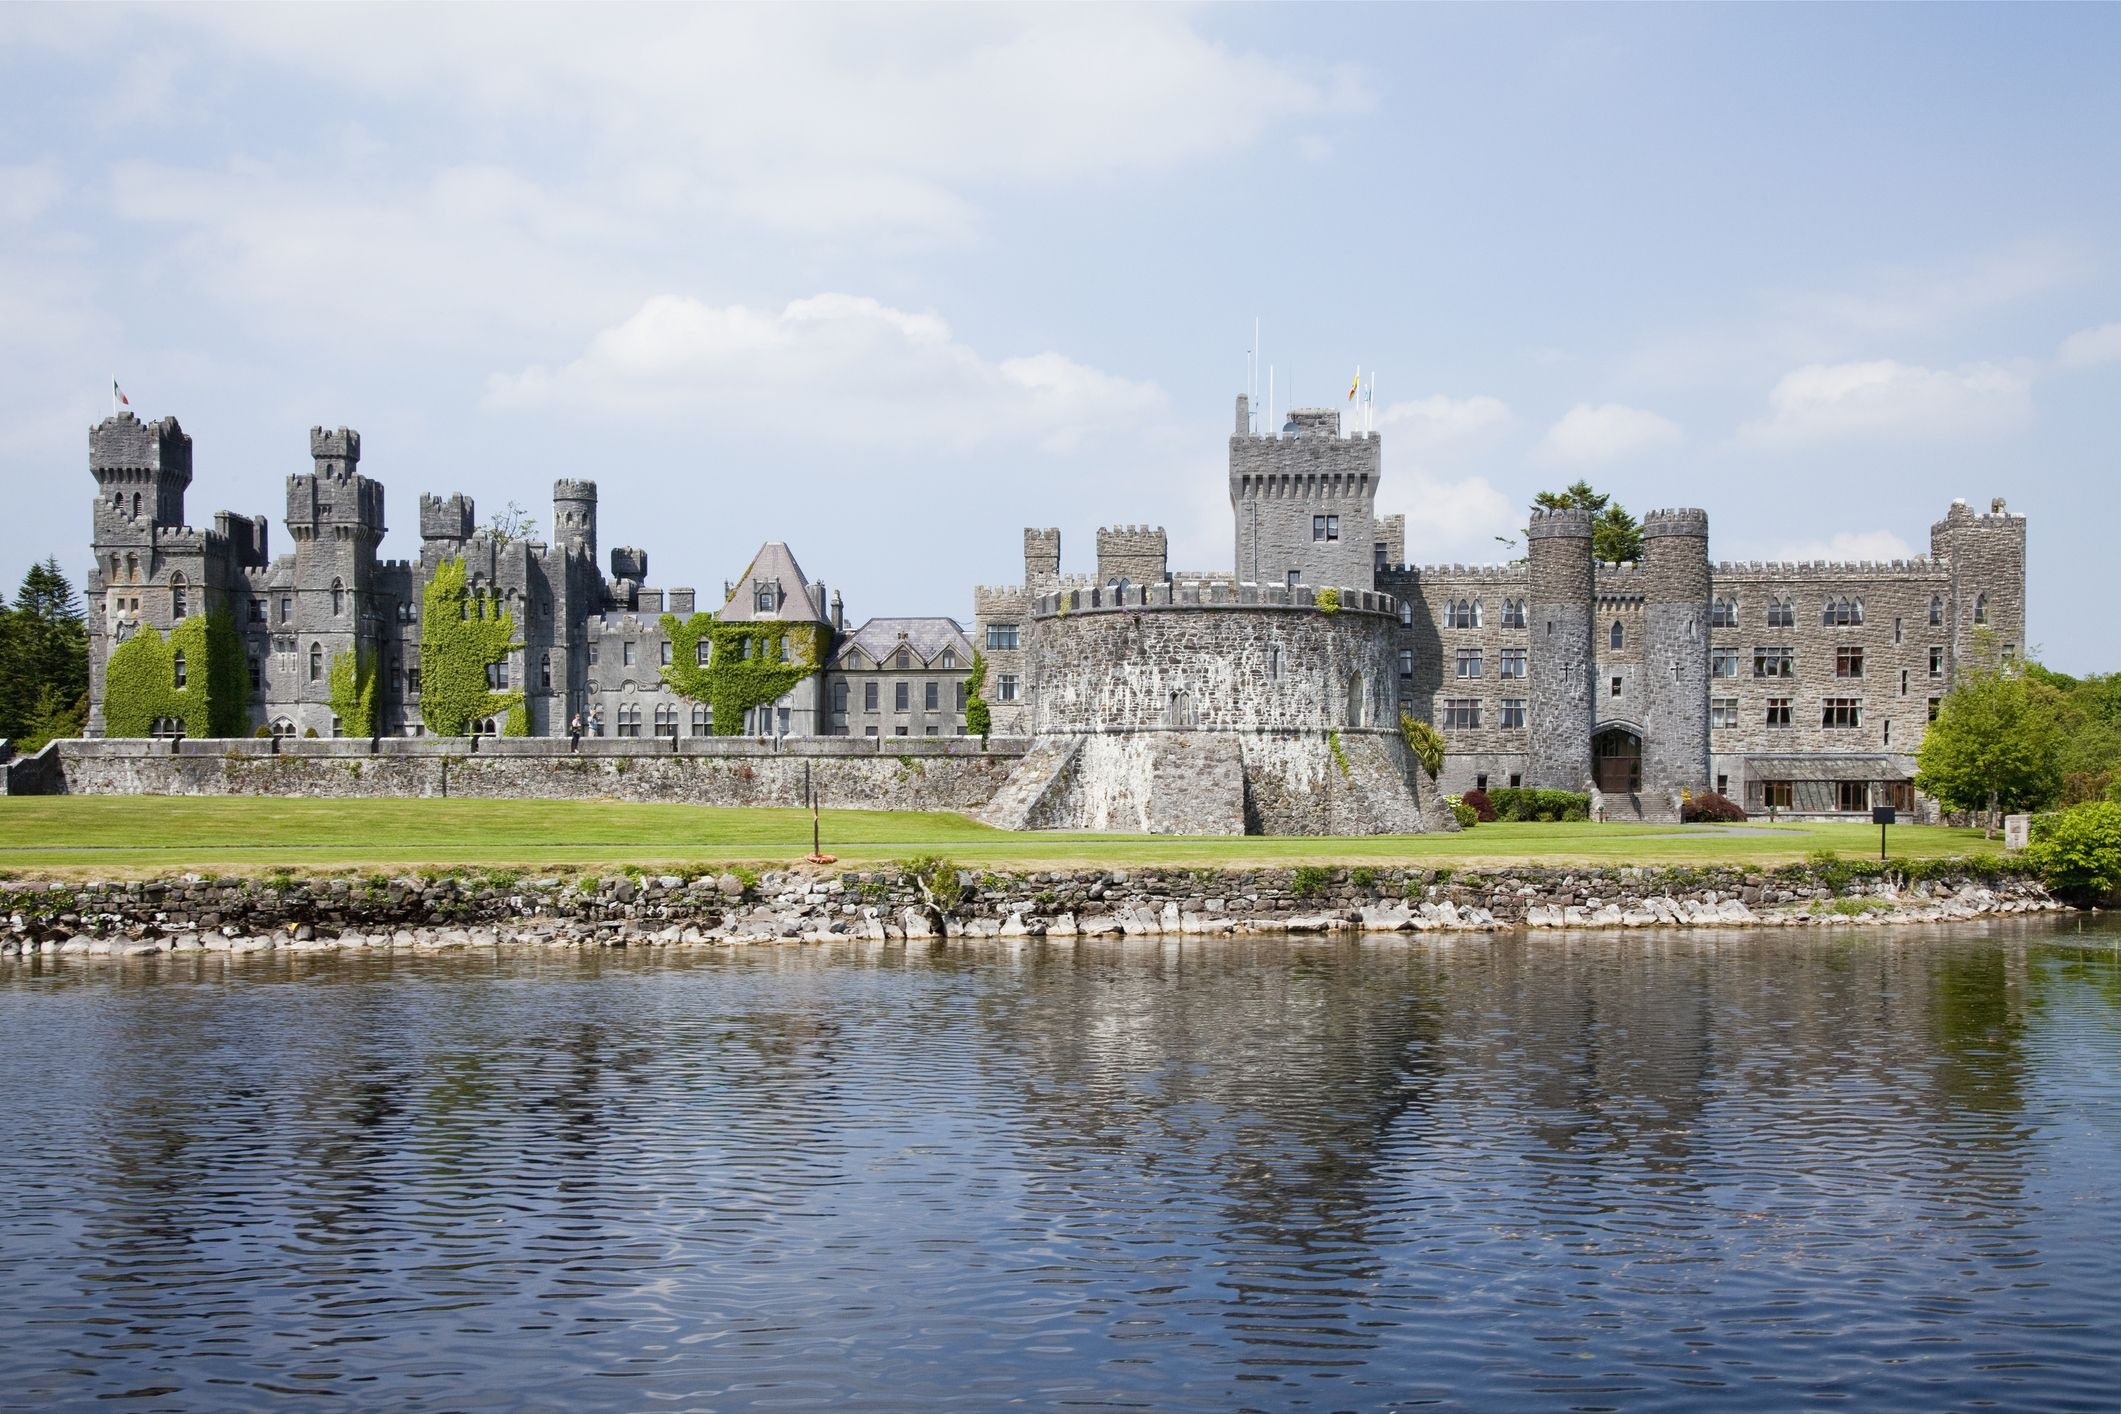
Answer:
[(747, 664), (144, 687), (353, 692), (462, 636)]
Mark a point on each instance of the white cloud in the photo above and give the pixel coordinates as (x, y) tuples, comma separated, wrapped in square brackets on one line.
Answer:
[(1456, 519), (1440, 427), (1883, 398), (1843, 547), (27, 192), (814, 118), (2089, 347), (835, 366), (1595, 434)]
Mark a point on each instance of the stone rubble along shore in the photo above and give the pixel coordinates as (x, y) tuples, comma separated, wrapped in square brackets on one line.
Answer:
[(193, 913)]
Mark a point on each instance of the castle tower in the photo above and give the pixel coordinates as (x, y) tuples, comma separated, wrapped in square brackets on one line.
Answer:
[(335, 517), (1305, 503), (1558, 618), (1675, 656), (1042, 558), (141, 470), (574, 517), (1986, 557), (1135, 553)]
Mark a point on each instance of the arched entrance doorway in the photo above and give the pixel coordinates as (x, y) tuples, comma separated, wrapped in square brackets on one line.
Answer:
[(1616, 760)]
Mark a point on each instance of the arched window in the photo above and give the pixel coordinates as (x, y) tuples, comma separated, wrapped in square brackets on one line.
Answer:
[(1406, 611), (949, 658), (338, 597), (114, 569), (281, 726), (545, 671), (136, 505), (702, 720), (1936, 609), (132, 569), (905, 659), (666, 720), (1781, 612), (179, 597), (177, 667), (1463, 613), (1723, 613), (1619, 635), (1980, 608), (486, 726), (316, 662), (1513, 613), (1840, 613)]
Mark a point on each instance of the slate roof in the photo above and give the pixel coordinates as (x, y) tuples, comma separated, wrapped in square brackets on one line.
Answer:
[(774, 563), (1827, 768), (878, 639)]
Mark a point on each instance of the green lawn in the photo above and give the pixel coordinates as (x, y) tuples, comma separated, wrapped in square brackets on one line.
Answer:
[(54, 835)]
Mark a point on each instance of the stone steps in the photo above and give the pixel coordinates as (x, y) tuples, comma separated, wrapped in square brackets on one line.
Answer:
[(1041, 772)]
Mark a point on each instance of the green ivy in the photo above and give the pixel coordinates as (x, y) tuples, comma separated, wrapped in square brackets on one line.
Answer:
[(1329, 601), (1340, 755), (353, 692), (744, 668), (1424, 741), (461, 635), (979, 719), (140, 681)]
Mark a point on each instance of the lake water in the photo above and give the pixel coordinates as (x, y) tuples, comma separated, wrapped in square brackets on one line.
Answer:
[(1630, 1171)]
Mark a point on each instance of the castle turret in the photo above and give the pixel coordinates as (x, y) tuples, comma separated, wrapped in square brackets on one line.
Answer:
[(1137, 554), (141, 469), (1986, 558), (574, 517), (1675, 657), (335, 518), (1305, 503), (1558, 618), (1042, 557), (446, 518)]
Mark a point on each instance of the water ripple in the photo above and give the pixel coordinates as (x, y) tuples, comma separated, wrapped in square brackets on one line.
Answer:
[(1574, 1172)]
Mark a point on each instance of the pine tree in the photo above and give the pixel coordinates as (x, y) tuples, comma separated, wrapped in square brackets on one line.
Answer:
[(1616, 536), (43, 660)]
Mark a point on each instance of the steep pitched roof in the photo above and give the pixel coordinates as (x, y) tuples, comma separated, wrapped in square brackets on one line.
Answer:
[(773, 566), (927, 637)]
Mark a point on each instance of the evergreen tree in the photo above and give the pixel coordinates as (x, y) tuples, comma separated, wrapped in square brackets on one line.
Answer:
[(43, 660), (1615, 535)]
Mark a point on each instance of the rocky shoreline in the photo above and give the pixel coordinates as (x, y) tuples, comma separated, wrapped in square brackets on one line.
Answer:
[(925, 900)]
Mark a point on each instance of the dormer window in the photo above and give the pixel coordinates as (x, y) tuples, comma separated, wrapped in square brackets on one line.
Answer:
[(768, 601)]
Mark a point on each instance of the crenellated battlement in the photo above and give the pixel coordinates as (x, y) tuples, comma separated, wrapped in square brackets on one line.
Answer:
[(336, 452), (1568, 523), (448, 517), (1210, 594), (1681, 520), (1920, 567)]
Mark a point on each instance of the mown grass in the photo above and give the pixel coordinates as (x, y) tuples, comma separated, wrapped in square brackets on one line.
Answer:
[(107, 835)]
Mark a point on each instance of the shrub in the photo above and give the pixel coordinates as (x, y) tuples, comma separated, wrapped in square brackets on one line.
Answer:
[(1424, 741), (1709, 808), (1363, 877), (936, 878), (1466, 816), (2078, 850), (262, 733), (1478, 799), (1522, 803), (1309, 880)]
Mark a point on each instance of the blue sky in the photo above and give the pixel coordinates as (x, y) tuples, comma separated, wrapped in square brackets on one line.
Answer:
[(892, 284)]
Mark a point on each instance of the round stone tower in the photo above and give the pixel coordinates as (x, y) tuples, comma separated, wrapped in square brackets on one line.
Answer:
[(1559, 623), (1675, 657), (574, 517)]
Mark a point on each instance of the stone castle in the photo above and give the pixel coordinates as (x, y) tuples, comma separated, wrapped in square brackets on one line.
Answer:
[(1265, 696)]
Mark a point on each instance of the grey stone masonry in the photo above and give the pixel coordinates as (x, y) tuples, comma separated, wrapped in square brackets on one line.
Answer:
[(1558, 637), (1137, 554), (1674, 666), (1304, 502)]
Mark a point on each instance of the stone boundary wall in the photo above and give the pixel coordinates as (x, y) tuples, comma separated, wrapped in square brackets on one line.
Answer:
[(851, 773), (882, 905)]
